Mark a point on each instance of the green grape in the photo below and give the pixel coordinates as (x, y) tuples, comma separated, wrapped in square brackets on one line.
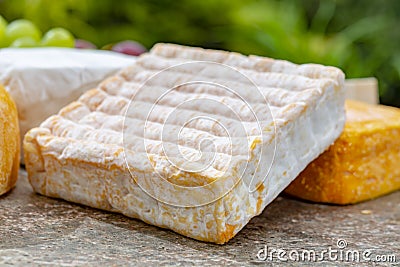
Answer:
[(24, 42), (22, 28), (3, 25), (58, 37)]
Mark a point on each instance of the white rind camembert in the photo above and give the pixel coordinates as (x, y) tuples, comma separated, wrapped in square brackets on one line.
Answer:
[(43, 80), (196, 141)]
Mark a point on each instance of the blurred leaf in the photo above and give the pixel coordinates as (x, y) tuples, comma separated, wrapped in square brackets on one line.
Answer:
[(325, 13), (364, 27)]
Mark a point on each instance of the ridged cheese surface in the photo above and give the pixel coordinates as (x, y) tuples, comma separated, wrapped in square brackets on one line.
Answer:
[(197, 141)]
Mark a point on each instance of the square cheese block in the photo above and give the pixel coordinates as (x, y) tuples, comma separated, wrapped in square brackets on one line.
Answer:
[(197, 141), (43, 80), (362, 164)]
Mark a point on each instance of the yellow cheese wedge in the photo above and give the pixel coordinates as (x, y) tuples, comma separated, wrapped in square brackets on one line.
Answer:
[(9, 142), (364, 163)]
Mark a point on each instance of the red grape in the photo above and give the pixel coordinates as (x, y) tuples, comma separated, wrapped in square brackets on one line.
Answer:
[(83, 44), (129, 47)]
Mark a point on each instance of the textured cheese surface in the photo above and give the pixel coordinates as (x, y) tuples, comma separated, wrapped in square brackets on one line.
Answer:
[(362, 164), (185, 139), (9, 142), (43, 80)]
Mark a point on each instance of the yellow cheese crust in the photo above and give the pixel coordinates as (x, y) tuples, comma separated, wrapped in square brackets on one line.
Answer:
[(362, 164), (9, 142)]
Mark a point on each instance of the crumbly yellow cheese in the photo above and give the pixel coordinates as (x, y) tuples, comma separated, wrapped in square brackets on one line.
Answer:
[(9, 142), (137, 144), (364, 163)]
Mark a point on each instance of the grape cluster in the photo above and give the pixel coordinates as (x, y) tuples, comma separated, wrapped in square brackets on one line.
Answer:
[(24, 33)]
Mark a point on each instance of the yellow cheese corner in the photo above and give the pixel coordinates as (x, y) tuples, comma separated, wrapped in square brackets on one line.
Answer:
[(9, 142), (362, 164)]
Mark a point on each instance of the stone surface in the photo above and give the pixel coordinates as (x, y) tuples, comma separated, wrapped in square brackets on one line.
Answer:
[(36, 230)]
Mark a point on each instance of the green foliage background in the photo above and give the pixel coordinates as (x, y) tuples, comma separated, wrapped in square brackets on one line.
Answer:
[(360, 36)]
